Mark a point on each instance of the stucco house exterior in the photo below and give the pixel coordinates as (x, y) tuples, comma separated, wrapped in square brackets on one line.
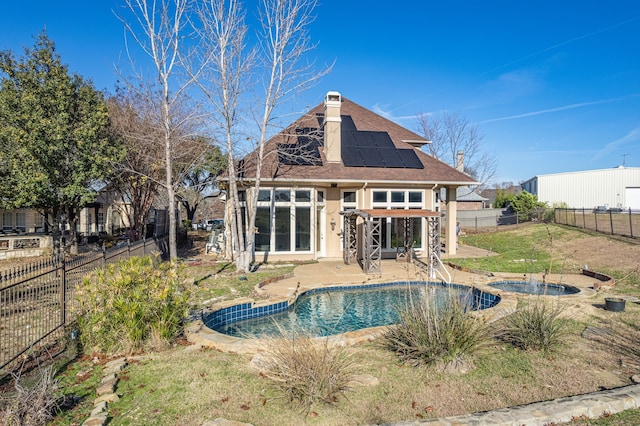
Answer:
[(341, 158)]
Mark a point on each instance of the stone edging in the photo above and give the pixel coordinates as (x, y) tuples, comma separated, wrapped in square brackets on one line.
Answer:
[(106, 393)]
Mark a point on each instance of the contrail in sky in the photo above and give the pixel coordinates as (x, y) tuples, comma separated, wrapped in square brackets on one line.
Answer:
[(546, 49), (562, 108), (555, 46)]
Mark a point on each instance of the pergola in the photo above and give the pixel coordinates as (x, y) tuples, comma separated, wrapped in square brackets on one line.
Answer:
[(372, 235)]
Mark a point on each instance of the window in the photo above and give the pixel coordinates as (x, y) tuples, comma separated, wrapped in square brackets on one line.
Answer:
[(303, 228), (7, 221), (21, 221), (283, 220), (397, 197), (263, 229), (349, 197), (415, 197), (283, 228), (282, 195), (379, 196), (393, 229), (303, 196)]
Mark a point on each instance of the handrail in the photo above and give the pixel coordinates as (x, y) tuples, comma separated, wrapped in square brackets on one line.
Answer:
[(445, 270)]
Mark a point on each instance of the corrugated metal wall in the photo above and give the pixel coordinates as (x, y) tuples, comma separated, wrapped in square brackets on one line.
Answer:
[(589, 189)]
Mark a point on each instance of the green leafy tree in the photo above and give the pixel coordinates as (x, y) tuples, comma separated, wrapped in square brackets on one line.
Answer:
[(503, 198), (525, 204), (54, 136), (200, 182)]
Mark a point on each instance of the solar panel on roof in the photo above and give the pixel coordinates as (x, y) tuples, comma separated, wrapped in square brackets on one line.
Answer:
[(347, 123), (305, 152), (410, 159), (351, 156), (372, 157)]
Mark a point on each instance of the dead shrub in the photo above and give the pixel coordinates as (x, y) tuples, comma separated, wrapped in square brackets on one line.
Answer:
[(307, 370), (32, 405)]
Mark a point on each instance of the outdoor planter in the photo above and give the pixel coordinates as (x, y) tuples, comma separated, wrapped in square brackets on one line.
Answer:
[(614, 304)]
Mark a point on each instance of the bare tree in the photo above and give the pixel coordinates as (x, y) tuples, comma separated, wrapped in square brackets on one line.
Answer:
[(452, 133), (140, 172), (161, 29), (274, 66)]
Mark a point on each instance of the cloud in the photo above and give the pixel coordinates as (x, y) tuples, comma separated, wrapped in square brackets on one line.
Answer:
[(632, 136)]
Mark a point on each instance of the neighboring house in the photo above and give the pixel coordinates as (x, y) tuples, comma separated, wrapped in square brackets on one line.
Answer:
[(617, 187), (468, 199), (25, 232), (341, 157)]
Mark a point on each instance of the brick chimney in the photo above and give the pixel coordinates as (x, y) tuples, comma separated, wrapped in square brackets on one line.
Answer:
[(332, 120)]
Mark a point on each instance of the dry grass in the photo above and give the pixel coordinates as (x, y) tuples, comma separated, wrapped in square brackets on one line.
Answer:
[(187, 386)]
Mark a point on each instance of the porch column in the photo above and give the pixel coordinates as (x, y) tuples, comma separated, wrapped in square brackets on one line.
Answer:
[(452, 220)]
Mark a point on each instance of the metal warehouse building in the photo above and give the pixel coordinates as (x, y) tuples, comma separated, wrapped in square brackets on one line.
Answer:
[(618, 187)]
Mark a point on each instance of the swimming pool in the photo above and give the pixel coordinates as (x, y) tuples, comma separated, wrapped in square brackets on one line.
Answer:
[(336, 310)]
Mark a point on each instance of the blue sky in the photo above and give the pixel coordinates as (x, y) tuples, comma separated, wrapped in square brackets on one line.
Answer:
[(554, 86)]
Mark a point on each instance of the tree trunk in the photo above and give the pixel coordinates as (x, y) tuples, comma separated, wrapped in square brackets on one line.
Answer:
[(73, 230)]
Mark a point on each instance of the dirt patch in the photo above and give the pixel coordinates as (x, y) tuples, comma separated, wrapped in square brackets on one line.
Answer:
[(601, 253)]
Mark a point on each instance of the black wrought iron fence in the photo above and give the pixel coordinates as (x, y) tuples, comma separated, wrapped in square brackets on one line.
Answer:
[(613, 221), (36, 299)]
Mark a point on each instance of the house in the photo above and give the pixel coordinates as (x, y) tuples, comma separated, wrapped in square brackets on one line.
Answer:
[(338, 168), (617, 187)]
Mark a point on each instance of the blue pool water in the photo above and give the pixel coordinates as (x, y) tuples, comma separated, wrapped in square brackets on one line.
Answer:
[(535, 287), (324, 312)]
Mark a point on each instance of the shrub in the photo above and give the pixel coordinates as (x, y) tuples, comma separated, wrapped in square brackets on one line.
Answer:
[(437, 333), (537, 326), (307, 370), (131, 304), (34, 405)]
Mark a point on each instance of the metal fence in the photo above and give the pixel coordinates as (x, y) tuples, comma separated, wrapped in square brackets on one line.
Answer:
[(36, 299), (477, 220), (614, 222)]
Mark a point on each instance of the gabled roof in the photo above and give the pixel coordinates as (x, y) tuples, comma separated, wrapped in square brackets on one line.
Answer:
[(464, 193), (296, 154)]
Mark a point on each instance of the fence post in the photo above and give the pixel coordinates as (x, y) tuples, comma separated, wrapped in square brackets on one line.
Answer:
[(63, 296), (584, 220), (104, 255), (630, 223), (611, 221), (595, 216)]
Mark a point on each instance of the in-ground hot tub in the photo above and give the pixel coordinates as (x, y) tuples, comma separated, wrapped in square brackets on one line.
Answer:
[(535, 287)]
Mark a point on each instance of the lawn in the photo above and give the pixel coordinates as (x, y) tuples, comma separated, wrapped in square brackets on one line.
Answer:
[(187, 385)]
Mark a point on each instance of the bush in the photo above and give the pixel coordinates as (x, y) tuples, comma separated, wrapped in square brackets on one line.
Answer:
[(131, 304), (308, 370), (437, 333), (35, 405), (537, 326)]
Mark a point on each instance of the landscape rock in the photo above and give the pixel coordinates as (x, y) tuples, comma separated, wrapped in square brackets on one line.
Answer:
[(110, 397), (99, 420), (224, 422)]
